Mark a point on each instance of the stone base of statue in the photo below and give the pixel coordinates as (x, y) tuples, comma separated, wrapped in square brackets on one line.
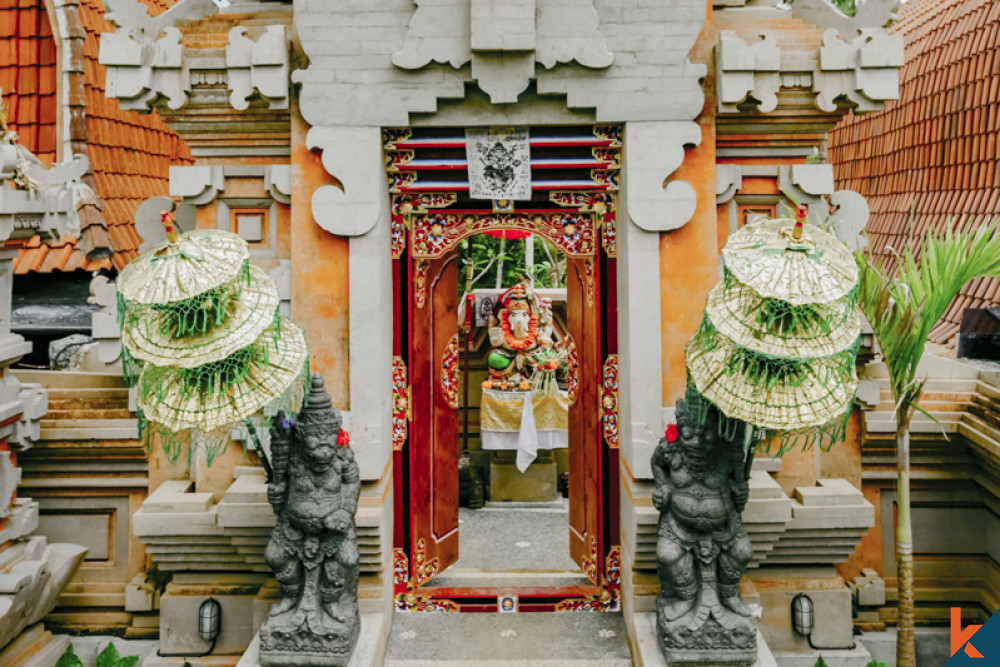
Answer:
[(368, 652), (698, 638), (287, 642)]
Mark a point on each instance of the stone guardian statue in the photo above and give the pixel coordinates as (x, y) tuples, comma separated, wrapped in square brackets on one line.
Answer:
[(313, 550), (702, 548)]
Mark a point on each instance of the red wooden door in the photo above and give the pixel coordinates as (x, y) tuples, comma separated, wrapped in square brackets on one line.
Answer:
[(433, 445), (585, 434)]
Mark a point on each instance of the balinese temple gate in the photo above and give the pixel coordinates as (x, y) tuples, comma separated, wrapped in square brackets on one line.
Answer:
[(360, 146)]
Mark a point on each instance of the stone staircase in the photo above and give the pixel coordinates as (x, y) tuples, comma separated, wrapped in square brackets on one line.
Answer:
[(501, 640), (87, 471)]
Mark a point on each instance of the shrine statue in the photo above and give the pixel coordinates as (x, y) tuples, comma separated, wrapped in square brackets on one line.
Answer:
[(702, 548), (514, 336), (523, 407), (313, 550)]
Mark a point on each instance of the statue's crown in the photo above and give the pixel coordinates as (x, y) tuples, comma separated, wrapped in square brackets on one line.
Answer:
[(515, 298), (318, 410)]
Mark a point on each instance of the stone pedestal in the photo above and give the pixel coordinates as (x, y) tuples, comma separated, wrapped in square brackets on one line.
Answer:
[(649, 654), (367, 653), (831, 599), (536, 484)]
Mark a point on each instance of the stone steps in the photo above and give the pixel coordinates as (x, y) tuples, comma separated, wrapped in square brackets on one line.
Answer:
[(89, 429), (495, 640)]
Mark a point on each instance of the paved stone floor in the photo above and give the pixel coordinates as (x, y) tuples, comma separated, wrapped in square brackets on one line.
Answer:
[(517, 546), (498, 640)]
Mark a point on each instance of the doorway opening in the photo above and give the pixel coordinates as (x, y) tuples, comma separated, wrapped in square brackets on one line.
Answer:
[(505, 331)]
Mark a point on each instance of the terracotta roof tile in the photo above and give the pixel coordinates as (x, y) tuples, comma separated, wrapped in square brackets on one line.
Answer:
[(934, 150), (130, 153)]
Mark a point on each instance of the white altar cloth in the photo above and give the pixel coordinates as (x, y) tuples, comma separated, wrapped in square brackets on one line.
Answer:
[(517, 420)]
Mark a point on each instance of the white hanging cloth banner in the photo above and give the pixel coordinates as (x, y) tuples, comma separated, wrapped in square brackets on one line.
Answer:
[(527, 438), (499, 162)]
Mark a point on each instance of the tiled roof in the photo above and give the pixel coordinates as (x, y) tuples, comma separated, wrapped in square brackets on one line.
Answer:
[(130, 154), (28, 75), (935, 151)]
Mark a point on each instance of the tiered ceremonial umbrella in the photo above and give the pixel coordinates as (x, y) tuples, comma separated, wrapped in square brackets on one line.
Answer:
[(203, 340), (777, 346)]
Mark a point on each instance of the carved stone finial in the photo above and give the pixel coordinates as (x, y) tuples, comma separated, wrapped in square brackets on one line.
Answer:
[(318, 409)]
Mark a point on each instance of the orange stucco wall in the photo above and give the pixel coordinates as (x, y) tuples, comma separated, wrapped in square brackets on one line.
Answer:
[(319, 273), (689, 264)]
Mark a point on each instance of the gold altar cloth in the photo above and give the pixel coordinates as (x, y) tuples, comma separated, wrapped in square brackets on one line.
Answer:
[(501, 411)]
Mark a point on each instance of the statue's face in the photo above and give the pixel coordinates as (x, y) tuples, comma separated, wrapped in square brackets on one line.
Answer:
[(519, 321), (699, 444), (319, 447)]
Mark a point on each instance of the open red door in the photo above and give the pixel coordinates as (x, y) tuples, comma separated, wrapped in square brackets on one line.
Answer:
[(434, 445), (585, 435)]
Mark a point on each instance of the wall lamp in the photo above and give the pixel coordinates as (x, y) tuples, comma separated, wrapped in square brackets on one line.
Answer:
[(804, 620)]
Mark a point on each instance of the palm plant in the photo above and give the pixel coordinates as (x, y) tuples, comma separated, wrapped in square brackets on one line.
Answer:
[(902, 310)]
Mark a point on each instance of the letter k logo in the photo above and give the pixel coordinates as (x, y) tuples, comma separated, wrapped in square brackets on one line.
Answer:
[(985, 653), (960, 636)]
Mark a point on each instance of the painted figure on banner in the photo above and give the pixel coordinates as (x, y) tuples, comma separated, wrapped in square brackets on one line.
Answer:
[(499, 163), (313, 550)]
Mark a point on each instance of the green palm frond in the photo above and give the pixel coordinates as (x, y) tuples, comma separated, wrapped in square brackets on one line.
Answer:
[(904, 309)]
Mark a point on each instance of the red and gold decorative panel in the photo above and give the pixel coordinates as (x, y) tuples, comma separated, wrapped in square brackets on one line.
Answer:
[(434, 234), (602, 205), (404, 207), (400, 403), (449, 372), (402, 592), (609, 400), (420, 282), (610, 598), (573, 370)]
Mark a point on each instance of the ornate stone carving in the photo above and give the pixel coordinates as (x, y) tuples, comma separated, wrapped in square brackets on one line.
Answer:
[(746, 70), (42, 201), (313, 550), (862, 69), (655, 151), (261, 65), (702, 548), (865, 70), (146, 58), (503, 39), (418, 56)]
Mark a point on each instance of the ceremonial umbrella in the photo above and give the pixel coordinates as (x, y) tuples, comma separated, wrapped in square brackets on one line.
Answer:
[(203, 325), (777, 346)]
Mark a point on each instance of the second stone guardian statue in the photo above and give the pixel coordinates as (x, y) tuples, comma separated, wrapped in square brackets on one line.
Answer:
[(313, 550), (702, 548)]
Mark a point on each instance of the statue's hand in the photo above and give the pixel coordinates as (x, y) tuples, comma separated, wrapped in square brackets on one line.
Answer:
[(741, 493), (661, 498), (338, 521), (276, 492)]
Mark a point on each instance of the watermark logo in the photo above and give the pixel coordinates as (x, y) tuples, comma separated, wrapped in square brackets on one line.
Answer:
[(977, 645)]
